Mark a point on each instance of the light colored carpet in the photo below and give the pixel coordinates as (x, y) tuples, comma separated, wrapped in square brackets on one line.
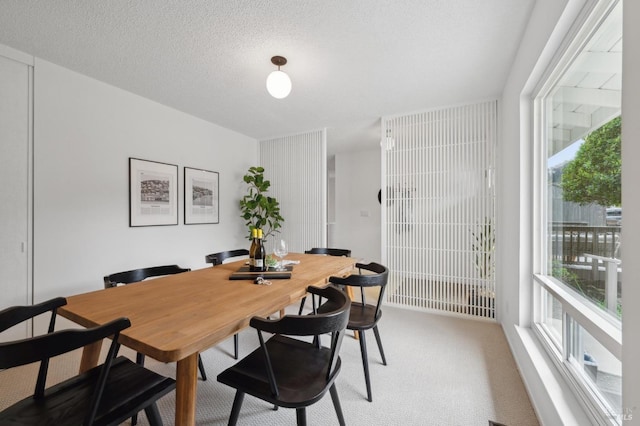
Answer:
[(441, 371)]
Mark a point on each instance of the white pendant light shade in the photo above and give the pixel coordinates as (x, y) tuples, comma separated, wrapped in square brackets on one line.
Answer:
[(278, 82)]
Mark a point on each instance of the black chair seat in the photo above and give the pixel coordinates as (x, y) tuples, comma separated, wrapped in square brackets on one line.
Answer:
[(129, 389), (299, 367), (363, 317)]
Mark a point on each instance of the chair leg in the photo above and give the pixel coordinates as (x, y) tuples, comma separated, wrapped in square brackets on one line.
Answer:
[(139, 361), (235, 346), (153, 415), (235, 411), (379, 340), (301, 416), (365, 364), (336, 404), (201, 368), (302, 305)]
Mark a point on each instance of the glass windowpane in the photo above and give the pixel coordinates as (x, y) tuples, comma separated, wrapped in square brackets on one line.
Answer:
[(597, 366), (583, 162), (552, 317)]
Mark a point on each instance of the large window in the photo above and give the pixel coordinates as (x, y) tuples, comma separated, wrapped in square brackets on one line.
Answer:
[(579, 226)]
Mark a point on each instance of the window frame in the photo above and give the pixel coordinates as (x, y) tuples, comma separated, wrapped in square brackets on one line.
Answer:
[(603, 327)]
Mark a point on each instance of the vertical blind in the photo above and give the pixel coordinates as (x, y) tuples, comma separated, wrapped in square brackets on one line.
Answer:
[(439, 209), (296, 165)]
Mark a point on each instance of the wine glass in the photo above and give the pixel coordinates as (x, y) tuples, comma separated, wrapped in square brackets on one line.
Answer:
[(281, 250)]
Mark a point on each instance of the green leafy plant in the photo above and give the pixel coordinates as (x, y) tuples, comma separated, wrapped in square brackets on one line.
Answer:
[(272, 262), (594, 175), (259, 210), (566, 276), (483, 245)]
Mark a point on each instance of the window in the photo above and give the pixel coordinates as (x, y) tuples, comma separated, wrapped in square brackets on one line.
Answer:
[(552, 318), (578, 306)]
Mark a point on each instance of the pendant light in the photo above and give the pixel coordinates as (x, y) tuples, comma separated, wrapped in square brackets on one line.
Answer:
[(278, 82)]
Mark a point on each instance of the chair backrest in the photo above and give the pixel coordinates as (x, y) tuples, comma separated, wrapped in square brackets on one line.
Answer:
[(333, 319), (219, 258), (17, 314), (43, 348), (136, 275), (378, 278), (329, 251)]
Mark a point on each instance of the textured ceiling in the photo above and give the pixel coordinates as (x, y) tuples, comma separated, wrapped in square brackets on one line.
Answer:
[(350, 61)]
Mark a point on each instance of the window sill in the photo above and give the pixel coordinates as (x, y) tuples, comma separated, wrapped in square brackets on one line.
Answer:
[(607, 331), (553, 400)]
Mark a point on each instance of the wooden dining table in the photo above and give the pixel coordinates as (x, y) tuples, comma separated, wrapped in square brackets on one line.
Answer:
[(174, 318)]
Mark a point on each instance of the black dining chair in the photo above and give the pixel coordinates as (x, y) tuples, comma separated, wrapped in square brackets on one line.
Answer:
[(327, 252), (104, 395), (141, 274), (365, 316), (218, 259), (137, 275), (289, 372)]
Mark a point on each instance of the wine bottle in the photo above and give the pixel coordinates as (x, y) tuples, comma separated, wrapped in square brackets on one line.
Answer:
[(261, 254), (252, 249)]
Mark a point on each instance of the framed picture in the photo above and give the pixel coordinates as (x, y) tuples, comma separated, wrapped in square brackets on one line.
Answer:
[(153, 193), (201, 196)]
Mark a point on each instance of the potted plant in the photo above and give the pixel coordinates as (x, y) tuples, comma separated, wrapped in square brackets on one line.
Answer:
[(259, 210), (483, 245)]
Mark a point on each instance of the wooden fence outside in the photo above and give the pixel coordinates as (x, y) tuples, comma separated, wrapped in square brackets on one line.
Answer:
[(571, 242)]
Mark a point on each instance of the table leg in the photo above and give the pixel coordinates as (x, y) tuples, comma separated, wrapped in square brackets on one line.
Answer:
[(186, 385), (90, 356)]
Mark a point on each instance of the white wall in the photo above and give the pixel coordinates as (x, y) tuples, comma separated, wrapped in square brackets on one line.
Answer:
[(357, 211), (84, 133)]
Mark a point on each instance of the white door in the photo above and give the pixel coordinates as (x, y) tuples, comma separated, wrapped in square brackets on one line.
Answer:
[(15, 124)]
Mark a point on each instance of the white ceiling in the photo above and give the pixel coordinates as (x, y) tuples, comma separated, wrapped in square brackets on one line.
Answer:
[(350, 61)]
